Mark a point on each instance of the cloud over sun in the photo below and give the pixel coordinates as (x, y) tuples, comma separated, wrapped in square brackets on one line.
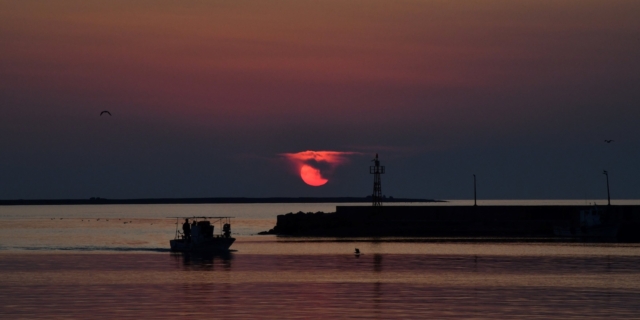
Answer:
[(315, 165)]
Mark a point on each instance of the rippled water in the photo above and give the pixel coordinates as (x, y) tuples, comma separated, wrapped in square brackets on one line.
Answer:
[(56, 264)]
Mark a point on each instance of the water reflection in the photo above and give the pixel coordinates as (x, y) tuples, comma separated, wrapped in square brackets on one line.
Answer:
[(204, 261), (376, 286), (377, 262), (377, 299)]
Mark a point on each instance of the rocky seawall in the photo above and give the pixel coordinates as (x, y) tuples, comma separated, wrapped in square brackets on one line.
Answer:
[(456, 221)]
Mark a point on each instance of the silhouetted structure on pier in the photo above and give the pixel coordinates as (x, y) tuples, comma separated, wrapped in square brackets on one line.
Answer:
[(608, 193), (475, 203), (376, 170)]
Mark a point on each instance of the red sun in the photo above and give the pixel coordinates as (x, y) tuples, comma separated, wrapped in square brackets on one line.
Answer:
[(311, 176)]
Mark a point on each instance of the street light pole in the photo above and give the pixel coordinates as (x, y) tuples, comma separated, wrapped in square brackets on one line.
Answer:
[(475, 204), (608, 193)]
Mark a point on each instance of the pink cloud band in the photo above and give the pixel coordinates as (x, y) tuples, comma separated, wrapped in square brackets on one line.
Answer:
[(332, 158)]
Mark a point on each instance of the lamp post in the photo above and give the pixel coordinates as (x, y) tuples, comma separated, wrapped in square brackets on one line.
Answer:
[(475, 204), (608, 193)]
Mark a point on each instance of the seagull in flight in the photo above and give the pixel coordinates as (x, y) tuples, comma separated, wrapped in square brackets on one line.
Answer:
[(608, 141), (105, 111)]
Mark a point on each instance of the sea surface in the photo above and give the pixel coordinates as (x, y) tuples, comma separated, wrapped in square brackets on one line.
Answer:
[(112, 261)]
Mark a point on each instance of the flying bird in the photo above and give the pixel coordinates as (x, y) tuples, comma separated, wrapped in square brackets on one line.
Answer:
[(105, 111), (608, 141)]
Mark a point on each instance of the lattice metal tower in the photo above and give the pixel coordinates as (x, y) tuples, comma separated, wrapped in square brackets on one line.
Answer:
[(377, 170)]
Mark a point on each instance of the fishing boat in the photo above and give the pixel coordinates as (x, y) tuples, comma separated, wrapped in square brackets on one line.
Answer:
[(594, 222), (197, 234)]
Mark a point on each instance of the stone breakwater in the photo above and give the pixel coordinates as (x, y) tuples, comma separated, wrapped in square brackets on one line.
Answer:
[(454, 221)]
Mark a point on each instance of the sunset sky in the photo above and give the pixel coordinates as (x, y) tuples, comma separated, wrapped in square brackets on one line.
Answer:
[(209, 97)]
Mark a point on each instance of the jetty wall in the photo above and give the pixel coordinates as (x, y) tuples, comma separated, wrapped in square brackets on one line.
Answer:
[(451, 221)]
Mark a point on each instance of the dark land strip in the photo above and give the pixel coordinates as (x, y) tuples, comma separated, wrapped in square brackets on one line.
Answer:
[(225, 200)]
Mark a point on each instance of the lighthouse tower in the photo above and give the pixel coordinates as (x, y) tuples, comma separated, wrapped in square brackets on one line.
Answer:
[(376, 170)]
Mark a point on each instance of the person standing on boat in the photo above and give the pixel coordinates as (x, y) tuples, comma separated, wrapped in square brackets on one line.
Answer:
[(186, 228)]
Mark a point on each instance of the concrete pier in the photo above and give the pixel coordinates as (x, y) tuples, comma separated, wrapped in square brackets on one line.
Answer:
[(454, 221)]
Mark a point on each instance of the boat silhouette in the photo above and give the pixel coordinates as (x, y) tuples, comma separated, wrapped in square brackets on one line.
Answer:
[(199, 236)]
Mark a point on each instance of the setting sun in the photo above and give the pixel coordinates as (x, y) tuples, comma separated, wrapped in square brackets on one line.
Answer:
[(312, 176)]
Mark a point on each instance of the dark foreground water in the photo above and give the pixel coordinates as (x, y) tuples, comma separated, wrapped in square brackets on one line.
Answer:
[(86, 262), (319, 286)]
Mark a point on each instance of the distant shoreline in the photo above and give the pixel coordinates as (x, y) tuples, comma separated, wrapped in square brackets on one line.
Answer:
[(225, 200)]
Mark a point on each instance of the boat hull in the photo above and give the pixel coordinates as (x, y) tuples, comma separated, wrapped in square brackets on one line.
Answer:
[(209, 245)]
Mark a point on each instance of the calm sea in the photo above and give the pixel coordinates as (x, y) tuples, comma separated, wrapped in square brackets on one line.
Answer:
[(112, 261)]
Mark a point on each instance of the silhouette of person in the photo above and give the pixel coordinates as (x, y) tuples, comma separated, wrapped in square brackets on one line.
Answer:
[(186, 228), (227, 230)]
